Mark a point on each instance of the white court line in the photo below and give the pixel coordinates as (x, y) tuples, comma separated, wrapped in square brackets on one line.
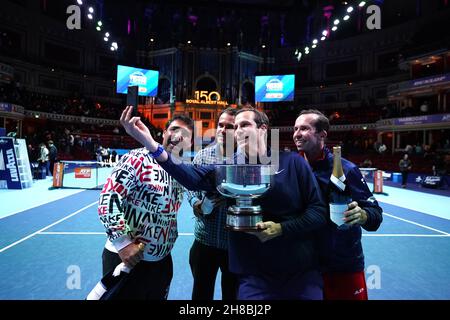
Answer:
[(91, 233), (191, 234), (71, 233), (47, 227), (406, 235), (415, 223)]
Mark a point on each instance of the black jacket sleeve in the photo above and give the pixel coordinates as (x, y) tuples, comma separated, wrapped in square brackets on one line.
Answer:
[(315, 212), (192, 177)]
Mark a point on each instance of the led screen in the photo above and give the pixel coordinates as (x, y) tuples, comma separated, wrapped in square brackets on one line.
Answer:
[(147, 80), (274, 88)]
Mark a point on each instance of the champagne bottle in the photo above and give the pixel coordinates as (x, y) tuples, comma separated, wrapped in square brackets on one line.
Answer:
[(338, 193), (110, 284)]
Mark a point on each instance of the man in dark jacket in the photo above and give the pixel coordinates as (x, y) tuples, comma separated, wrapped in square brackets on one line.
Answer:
[(280, 261), (342, 253), (52, 154)]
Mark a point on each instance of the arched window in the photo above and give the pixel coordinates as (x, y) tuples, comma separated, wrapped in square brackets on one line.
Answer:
[(206, 84)]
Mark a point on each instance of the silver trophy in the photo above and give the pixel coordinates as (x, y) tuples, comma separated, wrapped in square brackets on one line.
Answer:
[(244, 183)]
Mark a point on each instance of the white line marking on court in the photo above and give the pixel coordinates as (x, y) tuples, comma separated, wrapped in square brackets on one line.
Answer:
[(70, 233), (406, 235), (415, 223), (47, 227), (91, 233)]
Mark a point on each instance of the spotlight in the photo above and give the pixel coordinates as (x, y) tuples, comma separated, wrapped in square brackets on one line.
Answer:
[(315, 41), (334, 28), (263, 46), (336, 22), (313, 46), (296, 52), (114, 44), (349, 9), (112, 48), (105, 38), (91, 10), (323, 38), (228, 44), (99, 23), (324, 33), (80, 2), (90, 16), (346, 17), (151, 39), (362, 4), (107, 34), (98, 28), (189, 42)]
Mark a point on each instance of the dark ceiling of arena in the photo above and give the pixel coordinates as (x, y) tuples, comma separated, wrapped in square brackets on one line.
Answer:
[(245, 23)]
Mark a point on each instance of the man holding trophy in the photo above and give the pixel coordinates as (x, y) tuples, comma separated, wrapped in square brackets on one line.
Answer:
[(272, 246)]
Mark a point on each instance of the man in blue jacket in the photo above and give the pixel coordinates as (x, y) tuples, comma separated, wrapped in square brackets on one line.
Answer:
[(281, 261), (343, 258)]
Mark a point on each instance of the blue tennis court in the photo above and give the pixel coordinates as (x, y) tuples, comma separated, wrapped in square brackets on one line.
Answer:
[(51, 244)]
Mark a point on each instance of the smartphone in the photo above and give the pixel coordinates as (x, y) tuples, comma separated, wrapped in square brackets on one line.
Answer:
[(132, 99)]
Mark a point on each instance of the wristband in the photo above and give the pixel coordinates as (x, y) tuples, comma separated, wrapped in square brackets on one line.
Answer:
[(158, 152)]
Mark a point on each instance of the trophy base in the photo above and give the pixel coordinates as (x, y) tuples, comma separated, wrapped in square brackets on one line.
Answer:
[(243, 229), (246, 220)]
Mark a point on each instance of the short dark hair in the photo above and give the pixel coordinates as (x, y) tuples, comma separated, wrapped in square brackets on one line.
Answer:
[(260, 117), (322, 123), (187, 120), (230, 111)]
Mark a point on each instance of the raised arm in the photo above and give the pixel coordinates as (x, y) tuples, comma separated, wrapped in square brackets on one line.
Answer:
[(191, 177), (138, 130)]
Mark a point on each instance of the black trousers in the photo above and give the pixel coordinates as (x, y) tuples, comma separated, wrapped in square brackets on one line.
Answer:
[(147, 280), (205, 261), (52, 164), (404, 177)]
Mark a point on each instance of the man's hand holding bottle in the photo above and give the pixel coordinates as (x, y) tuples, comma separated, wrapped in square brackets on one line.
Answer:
[(355, 214)]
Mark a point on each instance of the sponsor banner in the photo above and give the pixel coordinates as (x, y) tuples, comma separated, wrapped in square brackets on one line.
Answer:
[(9, 171), (58, 174), (435, 118), (82, 173), (378, 182), (430, 181), (429, 80), (9, 107), (436, 80), (5, 107)]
